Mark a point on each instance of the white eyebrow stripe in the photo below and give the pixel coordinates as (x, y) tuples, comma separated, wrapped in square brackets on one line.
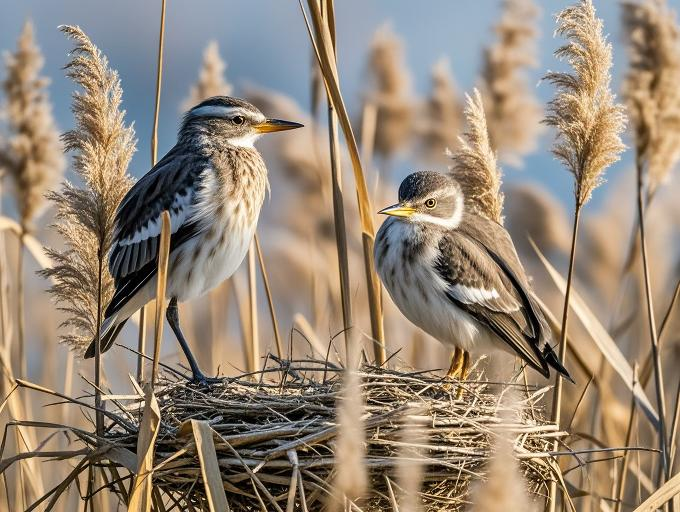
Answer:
[(217, 111)]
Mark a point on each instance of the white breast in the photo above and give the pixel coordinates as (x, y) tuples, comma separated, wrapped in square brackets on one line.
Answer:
[(419, 292)]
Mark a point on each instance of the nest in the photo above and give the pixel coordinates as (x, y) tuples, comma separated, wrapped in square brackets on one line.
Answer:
[(281, 423)]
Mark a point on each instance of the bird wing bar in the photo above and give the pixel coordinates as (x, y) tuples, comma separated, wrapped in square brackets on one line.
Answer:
[(171, 185), (487, 290)]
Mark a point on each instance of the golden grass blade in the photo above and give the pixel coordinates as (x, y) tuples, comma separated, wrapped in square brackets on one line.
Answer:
[(270, 300), (323, 44), (254, 339), (602, 340), (163, 257), (140, 498), (210, 470), (661, 496)]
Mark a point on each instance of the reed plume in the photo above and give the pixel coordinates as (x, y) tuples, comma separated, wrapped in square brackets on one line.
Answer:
[(589, 123), (411, 460), (32, 155), (390, 93), (443, 113), (474, 163), (651, 86), (211, 80), (102, 145), (512, 111)]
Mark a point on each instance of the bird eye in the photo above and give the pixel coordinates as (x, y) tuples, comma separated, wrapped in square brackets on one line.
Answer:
[(237, 120), (431, 203)]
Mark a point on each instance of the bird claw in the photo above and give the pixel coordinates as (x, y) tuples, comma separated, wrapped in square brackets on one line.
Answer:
[(203, 381)]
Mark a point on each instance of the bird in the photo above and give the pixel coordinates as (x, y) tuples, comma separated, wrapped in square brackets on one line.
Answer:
[(455, 274), (213, 184)]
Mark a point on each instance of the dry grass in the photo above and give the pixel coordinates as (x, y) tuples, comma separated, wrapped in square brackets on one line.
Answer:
[(211, 79)]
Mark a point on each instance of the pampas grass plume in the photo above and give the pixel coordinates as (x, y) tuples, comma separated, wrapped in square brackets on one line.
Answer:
[(474, 163), (102, 145), (513, 112), (33, 156), (211, 80)]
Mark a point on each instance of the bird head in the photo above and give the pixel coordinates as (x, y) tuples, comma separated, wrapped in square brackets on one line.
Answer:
[(428, 197), (232, 120)]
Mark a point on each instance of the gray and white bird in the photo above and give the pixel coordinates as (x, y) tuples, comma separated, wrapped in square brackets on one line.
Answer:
[(213, 183), (456, 275)]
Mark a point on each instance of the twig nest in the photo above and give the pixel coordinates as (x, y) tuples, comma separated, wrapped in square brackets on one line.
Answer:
[(275, 433)]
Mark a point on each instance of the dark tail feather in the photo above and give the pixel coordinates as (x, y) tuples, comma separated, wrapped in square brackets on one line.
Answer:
[(551, 358), (107, 340)]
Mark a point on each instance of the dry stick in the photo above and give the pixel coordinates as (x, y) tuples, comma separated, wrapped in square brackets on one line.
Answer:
[(557, 394), (252, 302), (141, 339), (658, 377), (270, 300), (163, 256), (674, 430), (338, 201), (322, 46)]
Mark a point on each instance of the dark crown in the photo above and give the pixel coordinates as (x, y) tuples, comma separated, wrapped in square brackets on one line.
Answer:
[(422, 183)]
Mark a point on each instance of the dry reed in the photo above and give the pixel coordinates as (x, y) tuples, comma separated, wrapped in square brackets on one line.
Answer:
[(513, 113), (474, 163)]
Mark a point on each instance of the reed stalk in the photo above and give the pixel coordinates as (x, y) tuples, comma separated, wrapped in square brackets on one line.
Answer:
[(161, 285), (270, 298), (254, 335)]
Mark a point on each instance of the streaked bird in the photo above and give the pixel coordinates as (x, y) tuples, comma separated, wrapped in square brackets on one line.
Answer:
[(456, 275), (213, 183)]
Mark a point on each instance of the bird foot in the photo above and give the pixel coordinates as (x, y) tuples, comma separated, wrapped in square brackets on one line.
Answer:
[(203, 381)]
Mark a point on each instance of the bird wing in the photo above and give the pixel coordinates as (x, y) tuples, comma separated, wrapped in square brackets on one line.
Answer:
[(481, 283), (172, 185)]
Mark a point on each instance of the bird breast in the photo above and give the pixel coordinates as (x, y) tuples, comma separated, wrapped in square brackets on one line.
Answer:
[(405, 258), (227, 209)]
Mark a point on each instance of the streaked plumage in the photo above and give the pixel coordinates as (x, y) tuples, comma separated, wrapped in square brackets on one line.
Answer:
[(456, 275), (213, 183)]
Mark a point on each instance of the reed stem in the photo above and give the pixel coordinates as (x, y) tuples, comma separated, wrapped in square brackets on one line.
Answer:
[(252, 303), (270, 298), (21, 301)]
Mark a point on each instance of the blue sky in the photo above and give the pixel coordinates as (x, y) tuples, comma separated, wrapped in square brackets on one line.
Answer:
[(265, 42)]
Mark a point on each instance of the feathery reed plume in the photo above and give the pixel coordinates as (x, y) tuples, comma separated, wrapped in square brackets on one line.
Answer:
[(351, 478), (474, 163), (34, 152), (513, 113), (651, 86), (211, 80), (33, 156), (589, 123), (654, 102), (390, 93), (505, 487), (411, 460), (103, 146), (443, 113)]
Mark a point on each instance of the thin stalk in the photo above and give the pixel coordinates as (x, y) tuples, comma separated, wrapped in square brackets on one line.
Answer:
[(674, 430), (557, 394), (620, 482), (658, 377), (270, 299), (252, 302), (141, 344), (98, 403), (21, 321), (338, 201), (161, 282), (322, 46)]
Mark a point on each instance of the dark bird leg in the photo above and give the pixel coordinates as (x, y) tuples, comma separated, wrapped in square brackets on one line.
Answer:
[(172, 315)]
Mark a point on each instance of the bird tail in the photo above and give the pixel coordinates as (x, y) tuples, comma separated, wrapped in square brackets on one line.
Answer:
[(551, 358), (108, 334)]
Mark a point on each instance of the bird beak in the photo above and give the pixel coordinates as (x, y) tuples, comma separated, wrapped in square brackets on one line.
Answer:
[(398, 210), (276, 125)]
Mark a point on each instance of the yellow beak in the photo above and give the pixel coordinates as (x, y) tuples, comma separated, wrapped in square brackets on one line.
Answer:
[(276, 125), (398, 210)]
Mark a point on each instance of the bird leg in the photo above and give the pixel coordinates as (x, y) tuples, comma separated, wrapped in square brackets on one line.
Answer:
[(456, 363), (465, 367), (172, 315)]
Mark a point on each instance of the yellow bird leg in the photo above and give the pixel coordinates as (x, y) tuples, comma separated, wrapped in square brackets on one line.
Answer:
[(456, 364)]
